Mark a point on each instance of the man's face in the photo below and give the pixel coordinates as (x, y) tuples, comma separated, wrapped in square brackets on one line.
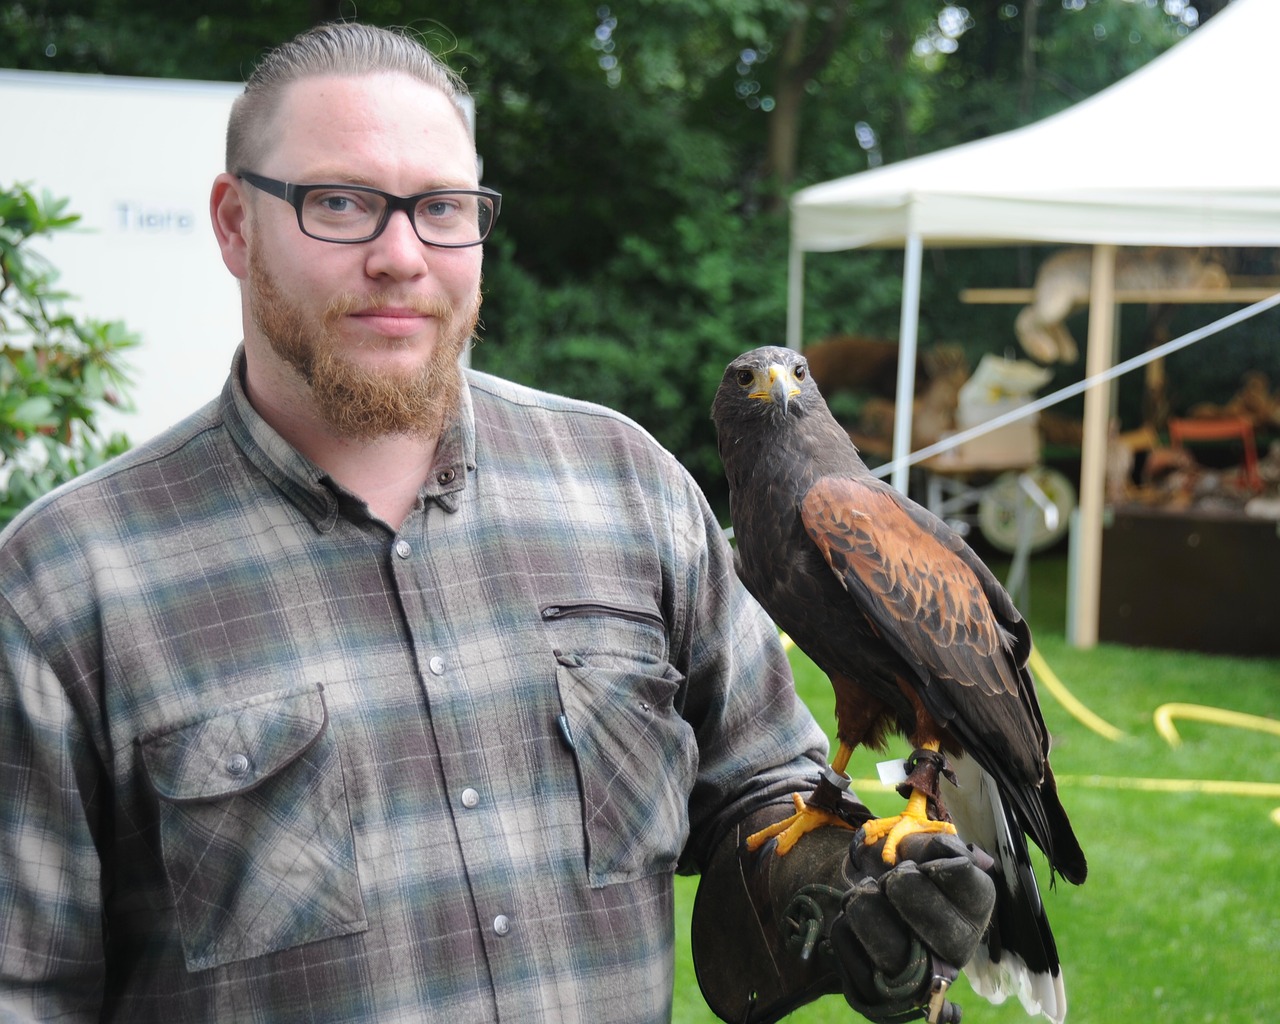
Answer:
[(374, 328)]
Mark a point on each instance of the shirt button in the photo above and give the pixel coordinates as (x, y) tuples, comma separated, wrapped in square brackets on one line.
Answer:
[(237, 764), (470, 798), (436, 665), (403, 549), (501, 924)]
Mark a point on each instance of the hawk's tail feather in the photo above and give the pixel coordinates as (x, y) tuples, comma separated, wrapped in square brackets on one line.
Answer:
[(1038, 992), (1018, 956), (1064, 853)]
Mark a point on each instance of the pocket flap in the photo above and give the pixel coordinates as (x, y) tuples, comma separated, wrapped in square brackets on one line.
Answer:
[(236, 749)]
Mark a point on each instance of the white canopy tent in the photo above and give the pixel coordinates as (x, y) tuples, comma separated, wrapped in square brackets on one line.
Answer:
[(1180, 153)]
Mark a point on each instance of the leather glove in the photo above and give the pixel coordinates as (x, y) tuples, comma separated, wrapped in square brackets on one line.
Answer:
[(772, 933), (902, 933)]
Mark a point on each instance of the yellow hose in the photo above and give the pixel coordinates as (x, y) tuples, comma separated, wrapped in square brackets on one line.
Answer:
[(1165, 714), (1217, 787), (1068, 700)]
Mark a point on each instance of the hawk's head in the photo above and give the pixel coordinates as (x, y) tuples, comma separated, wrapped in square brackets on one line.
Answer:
[(768, 402), (766, 383), (763, 388)]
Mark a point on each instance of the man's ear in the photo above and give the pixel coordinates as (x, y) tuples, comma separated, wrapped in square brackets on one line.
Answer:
[(230, 215)]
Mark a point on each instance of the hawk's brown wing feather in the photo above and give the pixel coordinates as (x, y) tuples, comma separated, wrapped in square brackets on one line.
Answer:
[(931, 606)]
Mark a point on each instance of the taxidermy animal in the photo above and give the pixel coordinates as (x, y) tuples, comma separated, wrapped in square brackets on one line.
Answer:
[(1062, 287)]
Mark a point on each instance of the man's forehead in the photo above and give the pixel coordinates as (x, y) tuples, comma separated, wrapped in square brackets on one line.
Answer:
[(327, 93), (381, 113)]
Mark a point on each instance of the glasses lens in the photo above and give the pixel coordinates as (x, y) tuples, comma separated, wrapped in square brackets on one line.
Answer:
[(342, 214), (453, 218)]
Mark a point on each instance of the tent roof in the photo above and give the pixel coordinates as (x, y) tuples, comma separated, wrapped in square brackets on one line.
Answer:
[(1181, 152)]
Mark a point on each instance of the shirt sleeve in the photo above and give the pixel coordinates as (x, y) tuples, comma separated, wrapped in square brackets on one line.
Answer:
[(757, 742), (51, 934)]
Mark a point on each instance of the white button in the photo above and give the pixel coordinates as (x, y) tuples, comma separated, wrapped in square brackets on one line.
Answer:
[(502, 924), (470, 798), (403, 549), (436, 665), (237, 764)]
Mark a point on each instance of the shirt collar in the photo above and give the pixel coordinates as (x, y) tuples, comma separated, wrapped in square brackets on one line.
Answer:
[(320, 498), (455, 456)]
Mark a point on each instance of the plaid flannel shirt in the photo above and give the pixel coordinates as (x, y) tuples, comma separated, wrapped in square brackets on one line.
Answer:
[(265, 760)]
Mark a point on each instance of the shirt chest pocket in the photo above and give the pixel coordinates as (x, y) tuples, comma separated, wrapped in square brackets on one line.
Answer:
[(254, 828), (636, 757)]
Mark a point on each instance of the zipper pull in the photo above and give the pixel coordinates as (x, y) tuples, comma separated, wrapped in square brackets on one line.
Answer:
[(567, 660), (566, 734)]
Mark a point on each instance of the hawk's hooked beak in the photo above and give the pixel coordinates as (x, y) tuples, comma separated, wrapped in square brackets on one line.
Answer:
[(782, 388), (778, 389)]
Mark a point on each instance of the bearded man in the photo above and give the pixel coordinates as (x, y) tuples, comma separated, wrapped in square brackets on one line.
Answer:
[(377, 691)]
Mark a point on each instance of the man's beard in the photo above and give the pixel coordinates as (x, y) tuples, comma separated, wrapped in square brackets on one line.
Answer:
[(358, 403)]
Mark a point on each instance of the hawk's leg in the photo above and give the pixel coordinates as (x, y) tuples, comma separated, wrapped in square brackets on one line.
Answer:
[(822, 809), (925, 766)]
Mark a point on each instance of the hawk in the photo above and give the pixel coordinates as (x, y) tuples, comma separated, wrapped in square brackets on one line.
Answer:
[(918, 639)]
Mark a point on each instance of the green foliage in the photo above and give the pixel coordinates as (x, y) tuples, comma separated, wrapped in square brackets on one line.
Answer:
[(638, 250), (651, 331), (56, 371), (643, 239)]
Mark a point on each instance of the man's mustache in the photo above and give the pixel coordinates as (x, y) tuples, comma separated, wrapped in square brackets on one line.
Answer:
[(348, 303)]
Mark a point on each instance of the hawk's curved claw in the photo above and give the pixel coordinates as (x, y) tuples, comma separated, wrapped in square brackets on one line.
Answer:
[(789, 830), (911, 821)]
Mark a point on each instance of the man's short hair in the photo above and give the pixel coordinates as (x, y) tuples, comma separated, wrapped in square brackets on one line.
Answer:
[(336, 48)]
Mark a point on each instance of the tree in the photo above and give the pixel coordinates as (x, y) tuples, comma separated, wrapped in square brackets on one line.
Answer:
[(645, 152), (56, 372)]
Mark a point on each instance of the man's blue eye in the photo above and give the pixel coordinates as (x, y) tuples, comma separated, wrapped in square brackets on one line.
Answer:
[(339, 204)]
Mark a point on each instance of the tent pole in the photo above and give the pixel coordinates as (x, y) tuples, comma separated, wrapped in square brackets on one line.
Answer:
[(913, 261), (795, 296), (1086, 597)]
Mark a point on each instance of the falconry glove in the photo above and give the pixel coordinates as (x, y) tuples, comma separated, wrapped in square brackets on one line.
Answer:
[(904, 932), (772, 933)]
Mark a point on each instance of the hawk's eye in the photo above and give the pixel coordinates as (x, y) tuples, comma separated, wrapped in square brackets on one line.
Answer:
[(802, 371), (746, 378)]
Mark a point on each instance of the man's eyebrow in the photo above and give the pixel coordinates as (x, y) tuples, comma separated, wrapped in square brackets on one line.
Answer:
[(336, 178), (363, 181)]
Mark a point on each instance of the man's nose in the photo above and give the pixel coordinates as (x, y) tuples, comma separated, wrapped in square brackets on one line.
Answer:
[(398, 252)]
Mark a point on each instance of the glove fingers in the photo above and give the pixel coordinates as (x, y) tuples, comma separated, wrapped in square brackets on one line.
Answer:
[(877, 927), (948, 902), (926, 846), (888, 991), (970, 891)]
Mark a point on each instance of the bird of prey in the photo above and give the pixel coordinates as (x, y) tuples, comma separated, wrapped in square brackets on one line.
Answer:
[(918, 639)]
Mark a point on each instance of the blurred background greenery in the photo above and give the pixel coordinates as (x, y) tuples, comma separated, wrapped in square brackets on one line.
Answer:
[(645, 152)]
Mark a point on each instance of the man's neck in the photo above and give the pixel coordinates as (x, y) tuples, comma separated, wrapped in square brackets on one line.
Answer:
[(385, 472)]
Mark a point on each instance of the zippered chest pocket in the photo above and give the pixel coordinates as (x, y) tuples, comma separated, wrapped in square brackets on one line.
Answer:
[(636, 757), (606, 629), (594, 609)]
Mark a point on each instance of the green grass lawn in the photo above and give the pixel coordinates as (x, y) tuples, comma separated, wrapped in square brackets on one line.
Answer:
[(1180, 918)]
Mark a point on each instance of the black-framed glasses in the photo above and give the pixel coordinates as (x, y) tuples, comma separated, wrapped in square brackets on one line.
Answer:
[(451, 218)]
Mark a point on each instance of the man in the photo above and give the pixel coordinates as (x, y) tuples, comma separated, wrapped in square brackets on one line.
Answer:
[(377, 692)]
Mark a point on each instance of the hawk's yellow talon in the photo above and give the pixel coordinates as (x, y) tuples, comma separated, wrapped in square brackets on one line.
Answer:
[(911, 821), (789, 830)]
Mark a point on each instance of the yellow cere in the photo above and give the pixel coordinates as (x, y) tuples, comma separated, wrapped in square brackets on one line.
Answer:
[(764, 392)]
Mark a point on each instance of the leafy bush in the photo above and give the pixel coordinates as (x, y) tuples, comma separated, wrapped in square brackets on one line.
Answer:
[(650, 331), (56, 371)]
